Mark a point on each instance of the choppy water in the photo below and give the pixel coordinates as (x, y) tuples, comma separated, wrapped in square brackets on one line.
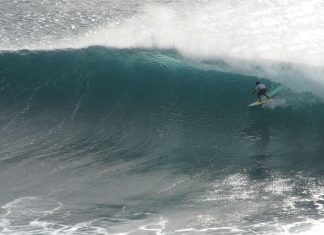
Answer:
[(132, 118)]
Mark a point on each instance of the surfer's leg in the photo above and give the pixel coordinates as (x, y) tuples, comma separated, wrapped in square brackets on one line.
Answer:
[(264, 93), (259, 98), (259, 94)]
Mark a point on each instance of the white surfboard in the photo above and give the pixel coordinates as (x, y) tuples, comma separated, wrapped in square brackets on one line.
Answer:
[(264, 101)]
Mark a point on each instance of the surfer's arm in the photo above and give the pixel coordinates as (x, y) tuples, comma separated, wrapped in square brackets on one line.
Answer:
[(253, 92)]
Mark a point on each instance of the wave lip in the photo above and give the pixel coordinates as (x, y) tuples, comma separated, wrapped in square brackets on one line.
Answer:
[(286, 31)]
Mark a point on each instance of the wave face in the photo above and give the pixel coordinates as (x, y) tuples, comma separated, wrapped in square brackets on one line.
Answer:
[(133, 141)]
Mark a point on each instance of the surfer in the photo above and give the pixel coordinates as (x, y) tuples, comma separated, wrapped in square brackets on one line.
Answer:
[(261, 90)]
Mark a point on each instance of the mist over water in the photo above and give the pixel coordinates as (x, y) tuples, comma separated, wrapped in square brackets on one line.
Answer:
[(131, 117), (284, 31)]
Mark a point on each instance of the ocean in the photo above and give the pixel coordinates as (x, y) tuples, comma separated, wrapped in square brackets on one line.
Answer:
[(131, 118)]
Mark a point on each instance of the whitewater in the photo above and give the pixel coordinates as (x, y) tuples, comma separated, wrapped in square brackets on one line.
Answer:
[(131, 117)]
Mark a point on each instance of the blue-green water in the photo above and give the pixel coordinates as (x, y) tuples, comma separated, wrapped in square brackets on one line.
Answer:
[(156, 139)]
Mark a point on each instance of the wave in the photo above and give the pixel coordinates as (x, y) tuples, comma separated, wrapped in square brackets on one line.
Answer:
[(135, 119), (153, 89), (104, 140)]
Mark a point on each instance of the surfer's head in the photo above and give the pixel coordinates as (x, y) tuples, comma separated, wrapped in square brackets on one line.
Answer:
[(257, 83)]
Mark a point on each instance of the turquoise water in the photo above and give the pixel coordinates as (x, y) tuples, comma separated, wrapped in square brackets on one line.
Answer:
[(143, 136)]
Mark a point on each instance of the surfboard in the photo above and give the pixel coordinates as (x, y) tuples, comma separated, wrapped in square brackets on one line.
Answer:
[(264, 101)]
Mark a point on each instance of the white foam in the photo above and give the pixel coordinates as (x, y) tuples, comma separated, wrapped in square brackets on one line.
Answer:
[(277, 103), (280, 30), (289, 31), (305, 227)]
